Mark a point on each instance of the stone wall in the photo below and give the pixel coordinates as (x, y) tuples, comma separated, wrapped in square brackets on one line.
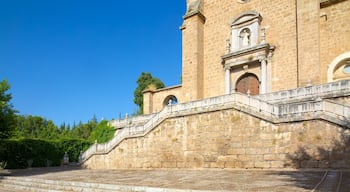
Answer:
[(334, 34), (230, 139)]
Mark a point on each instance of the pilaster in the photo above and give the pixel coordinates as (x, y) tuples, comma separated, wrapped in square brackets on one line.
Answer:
[(193, 47), (308, 38)]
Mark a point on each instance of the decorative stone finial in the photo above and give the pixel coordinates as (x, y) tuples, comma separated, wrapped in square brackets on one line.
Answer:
[(263, 35), (228, 46), (309, 83), (193, 6)]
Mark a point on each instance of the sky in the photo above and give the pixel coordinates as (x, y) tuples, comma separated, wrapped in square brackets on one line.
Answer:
[(68, 60)]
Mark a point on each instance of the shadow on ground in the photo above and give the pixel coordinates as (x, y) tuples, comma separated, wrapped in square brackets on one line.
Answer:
[(37, 171), (312, 161)]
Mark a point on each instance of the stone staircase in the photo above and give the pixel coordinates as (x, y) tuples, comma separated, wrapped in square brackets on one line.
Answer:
[(286, 106), (25, 184)]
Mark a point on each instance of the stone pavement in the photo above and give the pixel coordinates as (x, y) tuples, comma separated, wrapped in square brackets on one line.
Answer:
[(205, 180)]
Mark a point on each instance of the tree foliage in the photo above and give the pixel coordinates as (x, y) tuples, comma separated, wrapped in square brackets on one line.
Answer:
[(24, 153), (143, 82), (35, 127), (7, 112), (102, 133), (83, 131)]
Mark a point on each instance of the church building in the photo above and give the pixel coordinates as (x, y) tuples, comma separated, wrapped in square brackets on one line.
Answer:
[(256, 47)]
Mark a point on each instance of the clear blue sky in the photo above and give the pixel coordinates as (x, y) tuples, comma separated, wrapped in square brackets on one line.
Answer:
[(67, 60)]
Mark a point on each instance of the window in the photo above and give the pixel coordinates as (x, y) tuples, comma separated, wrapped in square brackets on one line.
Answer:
[(346, 69), (170, 100)]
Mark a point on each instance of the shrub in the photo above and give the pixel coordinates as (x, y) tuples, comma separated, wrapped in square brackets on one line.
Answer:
[(102, 133), (25, 153)]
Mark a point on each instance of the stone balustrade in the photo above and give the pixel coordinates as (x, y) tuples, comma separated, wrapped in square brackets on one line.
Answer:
[(339, 88), (121, 123), (275, 113), (336, 110)]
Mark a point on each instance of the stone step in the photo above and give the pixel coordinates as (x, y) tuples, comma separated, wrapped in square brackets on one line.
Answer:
[(6, 188), (19, 184), (19, 188), (42, 185), (23, 184)]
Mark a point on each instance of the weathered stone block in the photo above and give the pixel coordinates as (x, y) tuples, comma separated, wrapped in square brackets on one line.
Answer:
[(277, 164), (309, 164), (236, 151), (168, 164), (262, 164)]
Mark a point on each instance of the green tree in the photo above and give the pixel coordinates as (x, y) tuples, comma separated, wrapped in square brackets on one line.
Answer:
[(102, 133), (83, 131), (7, 112), (143, 82), (35, 127)]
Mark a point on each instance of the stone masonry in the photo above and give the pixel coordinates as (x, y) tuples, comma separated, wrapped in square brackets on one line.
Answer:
[(231, 139), (305, 37)]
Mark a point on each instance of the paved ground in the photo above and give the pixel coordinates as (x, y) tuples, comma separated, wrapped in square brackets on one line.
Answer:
[(230, 180)]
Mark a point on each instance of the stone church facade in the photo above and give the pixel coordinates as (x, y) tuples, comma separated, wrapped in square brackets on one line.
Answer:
[(265, 84), (256, 47)]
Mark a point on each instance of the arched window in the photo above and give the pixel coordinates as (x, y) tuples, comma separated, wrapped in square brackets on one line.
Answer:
[(339, 69), (170, 100), (346, 69)]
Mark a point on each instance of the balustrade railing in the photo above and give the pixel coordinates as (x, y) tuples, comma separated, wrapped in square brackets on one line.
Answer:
[(253, 104), (120, 123), (318, 90), (336, 110), (298, 108)]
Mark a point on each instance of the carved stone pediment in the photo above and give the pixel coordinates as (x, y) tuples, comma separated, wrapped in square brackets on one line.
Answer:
[(246, 17)]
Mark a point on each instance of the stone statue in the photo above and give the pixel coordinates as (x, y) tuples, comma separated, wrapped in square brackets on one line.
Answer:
[(193, 6), (245, 38), (81, 156), (65, 159)]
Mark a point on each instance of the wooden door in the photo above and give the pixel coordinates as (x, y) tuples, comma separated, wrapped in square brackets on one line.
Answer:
[(248, 82)]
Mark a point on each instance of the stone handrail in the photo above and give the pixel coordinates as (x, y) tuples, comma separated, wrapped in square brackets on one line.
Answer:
[(301, 108), (340, 87), (336, 110), (125, 133), (120, 123), (271, 112)]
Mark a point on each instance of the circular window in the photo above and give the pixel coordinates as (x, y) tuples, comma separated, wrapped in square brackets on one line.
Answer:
[(346, 69)]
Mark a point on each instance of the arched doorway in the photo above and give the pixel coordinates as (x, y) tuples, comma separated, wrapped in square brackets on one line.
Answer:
[(170, 100), (248, 83)]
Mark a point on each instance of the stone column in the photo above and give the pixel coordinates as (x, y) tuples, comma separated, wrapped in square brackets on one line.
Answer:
[(263, 86), (227, 80)]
